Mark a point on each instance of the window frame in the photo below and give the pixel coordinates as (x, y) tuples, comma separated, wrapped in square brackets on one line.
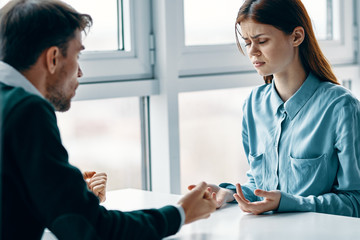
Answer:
[(103, 66)]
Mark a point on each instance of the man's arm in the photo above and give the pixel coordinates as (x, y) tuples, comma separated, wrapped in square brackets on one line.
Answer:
[(60, 196)]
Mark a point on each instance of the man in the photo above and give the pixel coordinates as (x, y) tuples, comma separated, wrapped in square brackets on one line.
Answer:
[(40, 41)]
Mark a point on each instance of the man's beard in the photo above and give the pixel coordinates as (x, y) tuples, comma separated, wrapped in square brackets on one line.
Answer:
[(58, 99)]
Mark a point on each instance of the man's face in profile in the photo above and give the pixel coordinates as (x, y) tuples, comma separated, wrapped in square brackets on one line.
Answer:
[(61, 88)]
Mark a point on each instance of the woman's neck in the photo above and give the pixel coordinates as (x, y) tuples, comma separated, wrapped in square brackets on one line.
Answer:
[(288, 83)]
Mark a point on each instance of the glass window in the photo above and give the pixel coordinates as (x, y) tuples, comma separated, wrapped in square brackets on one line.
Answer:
[(209, 22), (3, 2), (104, 136), (211, 147), (325, 17), (109, 20)]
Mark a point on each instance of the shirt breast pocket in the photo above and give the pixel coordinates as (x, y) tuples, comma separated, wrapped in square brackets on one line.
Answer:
[(307, 176), (257, 168)]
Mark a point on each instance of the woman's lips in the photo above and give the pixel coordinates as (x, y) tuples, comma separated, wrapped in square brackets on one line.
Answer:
[(258, 64)]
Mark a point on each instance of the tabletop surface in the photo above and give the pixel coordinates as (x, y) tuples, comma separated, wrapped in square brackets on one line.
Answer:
[(229, 222)]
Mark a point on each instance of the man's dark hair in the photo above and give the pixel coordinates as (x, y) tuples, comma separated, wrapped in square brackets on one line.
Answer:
[(28, 27)]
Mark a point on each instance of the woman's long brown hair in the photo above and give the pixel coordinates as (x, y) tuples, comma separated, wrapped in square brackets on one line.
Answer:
[(286, 15)]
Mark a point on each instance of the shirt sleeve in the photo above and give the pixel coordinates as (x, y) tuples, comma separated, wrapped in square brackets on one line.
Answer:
[(57, 192), (182, 215), (344, 199)]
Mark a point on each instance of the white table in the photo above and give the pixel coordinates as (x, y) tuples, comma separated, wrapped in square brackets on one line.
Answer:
[(230, 223)]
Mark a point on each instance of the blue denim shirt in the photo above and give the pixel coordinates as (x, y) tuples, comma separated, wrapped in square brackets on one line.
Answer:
[(308, 147)]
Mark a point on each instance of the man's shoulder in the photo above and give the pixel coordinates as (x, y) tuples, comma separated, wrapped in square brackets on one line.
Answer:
[(12, 92), (13, 98)]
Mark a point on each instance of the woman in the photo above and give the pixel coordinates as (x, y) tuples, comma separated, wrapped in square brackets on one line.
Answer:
[(300, 129)]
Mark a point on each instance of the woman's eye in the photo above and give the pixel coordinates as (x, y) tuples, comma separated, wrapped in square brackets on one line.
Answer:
[(262, 41)]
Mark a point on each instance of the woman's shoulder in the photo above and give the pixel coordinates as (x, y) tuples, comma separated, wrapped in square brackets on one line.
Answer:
[(257, 96), (333, 94), (331, 90), (260, 91)]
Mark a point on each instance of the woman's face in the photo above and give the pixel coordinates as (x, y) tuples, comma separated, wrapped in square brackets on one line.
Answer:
[(270, 50)]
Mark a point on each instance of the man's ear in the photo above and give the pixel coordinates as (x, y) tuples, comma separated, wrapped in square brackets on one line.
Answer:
[(52, 58), (298, 36)]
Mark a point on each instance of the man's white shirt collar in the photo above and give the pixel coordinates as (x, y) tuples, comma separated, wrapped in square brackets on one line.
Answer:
[(11, 77)]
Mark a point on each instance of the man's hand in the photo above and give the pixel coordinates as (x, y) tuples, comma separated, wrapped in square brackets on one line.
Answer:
[(199, 203), (271, 201), (96, 182), (223, 195)]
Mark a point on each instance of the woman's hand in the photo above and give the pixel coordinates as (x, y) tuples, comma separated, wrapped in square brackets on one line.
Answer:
[(271, 201)]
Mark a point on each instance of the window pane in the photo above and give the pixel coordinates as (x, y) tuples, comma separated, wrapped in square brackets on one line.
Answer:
[(103, 35), (104, 136), (3, 2), (209, 22), (110, 30), (110, 23), (211, 147), (325, 17)]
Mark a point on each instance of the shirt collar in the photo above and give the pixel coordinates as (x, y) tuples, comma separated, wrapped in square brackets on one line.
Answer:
[(11, 77), (275, 99), (293, 105)]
